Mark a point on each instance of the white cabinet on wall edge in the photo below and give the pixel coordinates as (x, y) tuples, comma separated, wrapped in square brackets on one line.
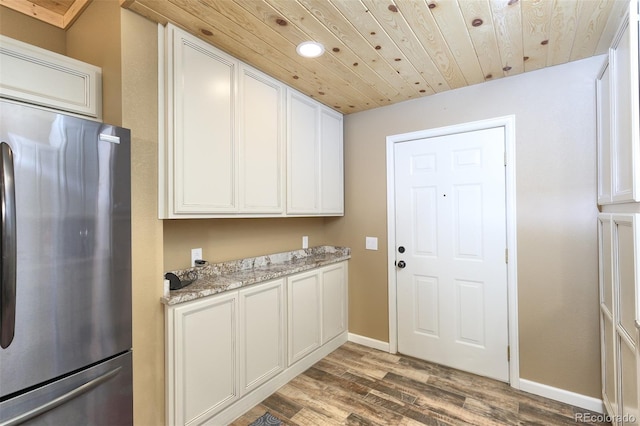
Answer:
[(618, 121), (37, 76), (619, 245), (228, 352)]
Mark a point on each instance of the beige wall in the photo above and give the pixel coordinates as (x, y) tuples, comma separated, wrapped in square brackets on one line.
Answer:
[(30, 30), (129, 61), (139, 113), (557, 256), (95, 38), (228, 239), (556, 212)]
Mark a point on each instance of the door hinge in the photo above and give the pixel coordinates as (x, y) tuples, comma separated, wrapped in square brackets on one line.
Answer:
[(505, 158), (508, 353), (506, 255)]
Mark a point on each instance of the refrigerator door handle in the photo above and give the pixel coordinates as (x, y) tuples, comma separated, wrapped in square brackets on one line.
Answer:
[(62, 398), (7, 246)]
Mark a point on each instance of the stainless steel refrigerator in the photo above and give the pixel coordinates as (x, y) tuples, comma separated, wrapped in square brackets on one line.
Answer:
[(65, 270)]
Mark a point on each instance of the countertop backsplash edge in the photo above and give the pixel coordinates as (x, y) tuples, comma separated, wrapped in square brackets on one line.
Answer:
[(230, 275)]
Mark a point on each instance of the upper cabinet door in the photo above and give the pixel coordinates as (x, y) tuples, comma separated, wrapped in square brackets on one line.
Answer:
[(331, 163), (623, 60), (315, 179), (238, 143), (302, 158), (261, 142), (202, 138), (603, 97)]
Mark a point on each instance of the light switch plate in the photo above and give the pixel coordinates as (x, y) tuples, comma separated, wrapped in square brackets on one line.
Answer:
[(305, 242), (371, 243)]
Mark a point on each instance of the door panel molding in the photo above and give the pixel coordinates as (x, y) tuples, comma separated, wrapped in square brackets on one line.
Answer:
[(508, 123)]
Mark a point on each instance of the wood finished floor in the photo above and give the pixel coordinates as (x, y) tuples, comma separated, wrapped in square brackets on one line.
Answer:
[(357, 385)]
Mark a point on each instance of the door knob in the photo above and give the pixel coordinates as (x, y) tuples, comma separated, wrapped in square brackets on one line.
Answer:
[(401, 264)]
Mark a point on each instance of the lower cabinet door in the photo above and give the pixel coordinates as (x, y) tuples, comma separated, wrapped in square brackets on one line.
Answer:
[(629, 414), (262, 333), (334, 300), (205, 357), (304, 314)]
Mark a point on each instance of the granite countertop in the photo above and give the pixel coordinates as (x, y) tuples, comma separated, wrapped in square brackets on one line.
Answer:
[(220, 277)]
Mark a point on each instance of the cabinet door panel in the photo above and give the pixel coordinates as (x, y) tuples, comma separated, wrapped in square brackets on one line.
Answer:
[(603, 94), (206, 357), (204, 179), (42, 77), (261, 152), (605, 254), (629, 384), (625, 280), (262, 332), (624, 94), (302, 178), (609, 382), (334, 301), (304, 314), (331, 163)]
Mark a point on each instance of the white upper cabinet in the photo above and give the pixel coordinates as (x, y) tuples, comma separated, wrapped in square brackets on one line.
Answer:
[(261, 142), (331, 163), (40, 77), (619, 126), (302, 154), (315, 182), (223, 152), (200, 122)]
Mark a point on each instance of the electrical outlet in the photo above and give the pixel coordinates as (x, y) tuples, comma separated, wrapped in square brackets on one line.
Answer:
[(196, 254), (305, 242)]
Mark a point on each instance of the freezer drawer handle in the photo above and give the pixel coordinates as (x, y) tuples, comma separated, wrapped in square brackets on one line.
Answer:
[(7, 247), (62, 399)]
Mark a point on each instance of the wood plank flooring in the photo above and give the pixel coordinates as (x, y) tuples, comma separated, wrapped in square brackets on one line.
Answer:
[(357, 385)]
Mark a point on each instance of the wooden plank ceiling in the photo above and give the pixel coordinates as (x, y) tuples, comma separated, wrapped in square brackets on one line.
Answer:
[(379, 52), (59, 13)]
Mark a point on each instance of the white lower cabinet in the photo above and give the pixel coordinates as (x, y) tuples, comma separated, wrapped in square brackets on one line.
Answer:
[(619, 239), (305, 320), (227, 352), (262, 331), (202, 358), (334, 301), (317, 309)]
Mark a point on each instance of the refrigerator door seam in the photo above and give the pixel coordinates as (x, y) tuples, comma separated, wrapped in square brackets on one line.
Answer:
[(62, 399)]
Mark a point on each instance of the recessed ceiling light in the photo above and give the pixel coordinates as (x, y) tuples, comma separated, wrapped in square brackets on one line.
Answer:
[(310, 49)]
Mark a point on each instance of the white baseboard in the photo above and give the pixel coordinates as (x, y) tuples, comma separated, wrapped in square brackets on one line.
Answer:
[(572, 398), (369, 342)]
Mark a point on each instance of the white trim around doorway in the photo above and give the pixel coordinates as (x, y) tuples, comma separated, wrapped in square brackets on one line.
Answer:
[(508, 122)]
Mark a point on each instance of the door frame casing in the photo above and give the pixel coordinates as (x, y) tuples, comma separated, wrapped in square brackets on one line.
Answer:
[(508, 123)]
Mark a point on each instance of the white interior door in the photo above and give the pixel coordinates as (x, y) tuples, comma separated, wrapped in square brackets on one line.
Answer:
[(451, 238)]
